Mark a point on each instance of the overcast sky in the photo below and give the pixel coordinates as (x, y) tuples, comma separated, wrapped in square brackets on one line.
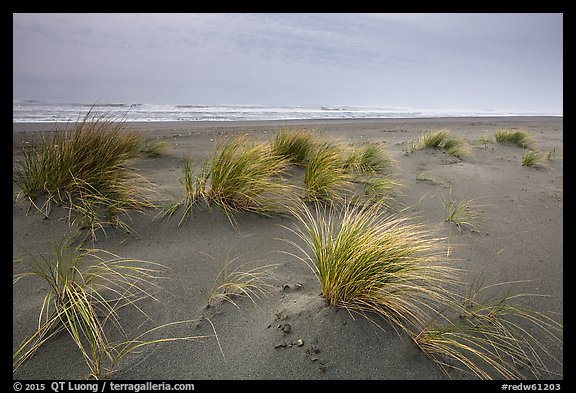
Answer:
[(441, 61)]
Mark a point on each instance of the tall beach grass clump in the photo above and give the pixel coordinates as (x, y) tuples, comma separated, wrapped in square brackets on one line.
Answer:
[(535, 158), (442, 140), (432, 139), (325, 177), (86, 170), (369, 159), (87, 292), (294, 145), (370, 261), (495, 337), (371, 166), (240, 176), (517, 137)]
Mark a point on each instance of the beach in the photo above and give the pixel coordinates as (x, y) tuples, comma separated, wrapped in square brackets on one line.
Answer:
[(519, 240)]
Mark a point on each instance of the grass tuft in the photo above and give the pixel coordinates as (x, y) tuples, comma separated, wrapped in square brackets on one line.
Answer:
[(325, 176), (368, 159), (493, 337), (85, 170), (239, 177), (87, 289), (442, 140), (432, 140), (456, 147), (294, 145), (514, 136), (369, 261), (535, 158)]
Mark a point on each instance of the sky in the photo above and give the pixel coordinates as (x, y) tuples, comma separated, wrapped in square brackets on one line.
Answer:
[(440, 61)]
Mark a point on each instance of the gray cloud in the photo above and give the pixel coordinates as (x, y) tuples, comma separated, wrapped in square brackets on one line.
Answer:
[(430, 60)]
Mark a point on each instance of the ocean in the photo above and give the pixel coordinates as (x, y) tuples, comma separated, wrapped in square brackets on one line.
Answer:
[(37, 111)]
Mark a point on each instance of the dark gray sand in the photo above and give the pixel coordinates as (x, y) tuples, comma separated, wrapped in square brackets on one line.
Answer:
[(291, 333)]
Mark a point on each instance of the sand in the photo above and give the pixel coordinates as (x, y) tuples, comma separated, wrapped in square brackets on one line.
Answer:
[(520, 238)]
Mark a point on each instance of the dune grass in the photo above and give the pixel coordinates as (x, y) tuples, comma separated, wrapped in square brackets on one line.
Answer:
[(442, 140), (432, 139), (325, 177), (247, 176), (369, 261), (243, 176), (515, 136), (456, 147), (85, 170), (369, 158), (494, 337), (294, 145), (331, 169), (191, 187), (240, 176), (534, 158), (370, 165), (87, 289)]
